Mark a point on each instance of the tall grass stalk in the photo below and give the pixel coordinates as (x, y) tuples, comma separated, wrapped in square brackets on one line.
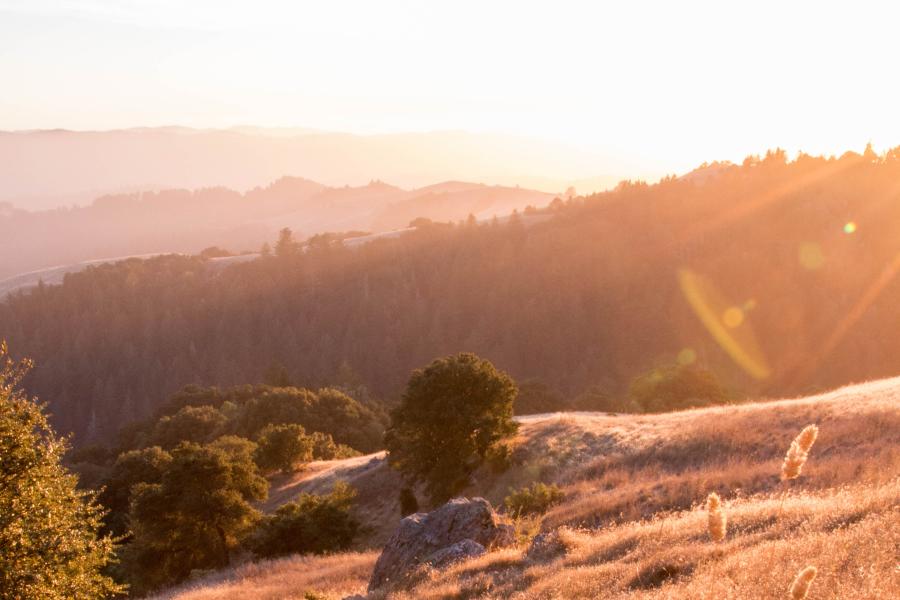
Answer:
[(801, 584)]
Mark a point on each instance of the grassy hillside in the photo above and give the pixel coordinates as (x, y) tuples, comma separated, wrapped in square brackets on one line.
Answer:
[(633, 522)]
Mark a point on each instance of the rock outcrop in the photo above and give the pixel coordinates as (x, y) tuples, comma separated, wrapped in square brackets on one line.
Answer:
[(460, 529)]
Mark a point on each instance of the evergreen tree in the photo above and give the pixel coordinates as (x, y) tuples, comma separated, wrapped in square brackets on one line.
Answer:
[(285, 246), (277, 376)]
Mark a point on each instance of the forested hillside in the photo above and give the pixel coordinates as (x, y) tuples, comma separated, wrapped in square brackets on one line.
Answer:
[(779, 276), (180, 220)]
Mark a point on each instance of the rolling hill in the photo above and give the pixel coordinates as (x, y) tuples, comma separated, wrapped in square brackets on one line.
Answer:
[(633, 524), (168, 221), (781, 277), (46, 169)]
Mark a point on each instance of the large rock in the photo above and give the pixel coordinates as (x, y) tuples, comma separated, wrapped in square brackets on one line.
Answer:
[(454, 553), (420, 539)]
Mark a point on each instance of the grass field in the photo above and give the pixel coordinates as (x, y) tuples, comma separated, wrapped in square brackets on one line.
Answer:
[(634, 523)]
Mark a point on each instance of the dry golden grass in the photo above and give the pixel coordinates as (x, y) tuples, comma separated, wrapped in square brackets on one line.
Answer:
[(333, 576), (635, 523), (800, 587), (798, 452), (852, 534), (717, 521)]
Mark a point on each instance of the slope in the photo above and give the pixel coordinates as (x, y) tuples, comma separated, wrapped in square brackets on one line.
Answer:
[(633, 523)]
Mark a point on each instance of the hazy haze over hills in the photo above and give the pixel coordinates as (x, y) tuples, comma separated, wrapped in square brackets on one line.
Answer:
[(188, 221), (51, 168)]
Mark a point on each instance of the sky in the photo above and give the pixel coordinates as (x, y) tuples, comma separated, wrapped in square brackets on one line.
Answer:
[(671, 84)]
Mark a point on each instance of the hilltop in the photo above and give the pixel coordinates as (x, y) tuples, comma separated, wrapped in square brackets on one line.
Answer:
[(47, 169), (169, 220), (632, 523)]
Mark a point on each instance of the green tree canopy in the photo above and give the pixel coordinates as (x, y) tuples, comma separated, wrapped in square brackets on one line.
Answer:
[(49, 544), (281, 447), (454, 414), (194, 517), (311, 523), (675, 388), (131, 468), (190, 424)]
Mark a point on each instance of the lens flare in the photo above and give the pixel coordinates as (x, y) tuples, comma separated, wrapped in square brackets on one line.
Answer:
[(733, 317), (725, 322), (811, 256), (850, 227), (687, 356)]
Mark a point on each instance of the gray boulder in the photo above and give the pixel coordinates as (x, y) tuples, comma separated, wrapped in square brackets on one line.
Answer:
[(456, 530), (454, 553)]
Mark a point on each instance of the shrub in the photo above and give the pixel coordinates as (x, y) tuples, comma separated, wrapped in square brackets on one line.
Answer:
[(311, 524), (676, 388), (452, 417), (282, 447), (596, 398), (325, 448), (534, 500), (536, 397), (196, 424), (236, 447)]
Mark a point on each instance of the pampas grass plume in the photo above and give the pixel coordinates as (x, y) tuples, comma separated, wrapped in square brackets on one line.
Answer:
[(798, 452), (717, 519), (801, 584)]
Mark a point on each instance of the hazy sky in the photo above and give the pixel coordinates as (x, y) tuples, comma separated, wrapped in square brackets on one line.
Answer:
[(674, 83)]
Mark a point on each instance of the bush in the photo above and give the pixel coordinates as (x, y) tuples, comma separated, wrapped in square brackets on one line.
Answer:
[(535, 500), (196, 424), (454, 415), (676, 388), (325, 448), (311, 524), (236, 447), (595, 398), (281, 447), (536, 397)]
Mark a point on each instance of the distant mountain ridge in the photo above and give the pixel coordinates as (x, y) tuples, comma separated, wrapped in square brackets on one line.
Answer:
[(42, 169), (187, 221)]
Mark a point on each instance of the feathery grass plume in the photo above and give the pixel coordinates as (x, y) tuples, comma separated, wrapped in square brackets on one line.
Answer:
[(798, 452), (801, 584), (718, 522)]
